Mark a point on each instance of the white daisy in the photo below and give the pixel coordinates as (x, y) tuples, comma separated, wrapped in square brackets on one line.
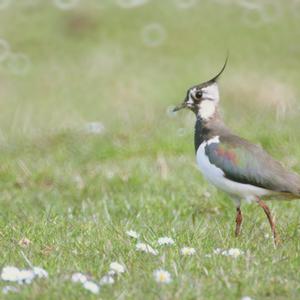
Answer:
[(187, 251), (207, 194), (106, 279), (233, 252), (116, 267), (145, 248), (40, 272), (10, 274), (26, 276), (95, 127), (162, 276), (246, 298), (217, 251), (111, 273), (8, 288), (79, 277), (91, 286), (133, 234), (165, 241), (13, 274)]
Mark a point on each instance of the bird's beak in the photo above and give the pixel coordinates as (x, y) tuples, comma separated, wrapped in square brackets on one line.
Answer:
[(180, 106)]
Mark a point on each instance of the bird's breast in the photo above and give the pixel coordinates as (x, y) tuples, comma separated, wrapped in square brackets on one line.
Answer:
[(209, 170)]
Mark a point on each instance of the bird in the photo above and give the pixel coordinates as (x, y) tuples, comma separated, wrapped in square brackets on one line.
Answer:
[(236, 166)]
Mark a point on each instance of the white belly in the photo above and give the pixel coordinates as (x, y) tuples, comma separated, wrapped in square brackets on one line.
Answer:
[(216, 176)]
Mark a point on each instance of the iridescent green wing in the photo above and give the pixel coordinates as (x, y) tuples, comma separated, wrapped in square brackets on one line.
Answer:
[(246, 163)]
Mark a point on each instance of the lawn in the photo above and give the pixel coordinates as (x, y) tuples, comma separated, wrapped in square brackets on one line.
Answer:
[(89, 148)]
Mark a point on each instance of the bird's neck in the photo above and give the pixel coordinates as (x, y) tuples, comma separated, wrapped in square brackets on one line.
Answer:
[(201, 131), (208, 128)]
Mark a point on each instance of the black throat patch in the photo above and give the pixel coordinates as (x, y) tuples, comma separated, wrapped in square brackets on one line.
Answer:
[(201, 133)]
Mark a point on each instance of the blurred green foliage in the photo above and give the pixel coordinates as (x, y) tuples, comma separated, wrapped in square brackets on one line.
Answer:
[(73, 193)]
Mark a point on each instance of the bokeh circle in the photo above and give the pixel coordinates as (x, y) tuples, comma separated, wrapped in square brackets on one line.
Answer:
[(66, 4), (4, 49), (4, 4), (131, 3), (18, 63), (153, 35)]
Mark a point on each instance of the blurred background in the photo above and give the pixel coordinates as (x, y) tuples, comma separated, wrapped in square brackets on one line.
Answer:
[(89, 146), (119, 65)]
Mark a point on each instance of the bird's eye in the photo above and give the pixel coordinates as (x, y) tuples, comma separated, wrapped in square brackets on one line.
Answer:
[(198, 94)]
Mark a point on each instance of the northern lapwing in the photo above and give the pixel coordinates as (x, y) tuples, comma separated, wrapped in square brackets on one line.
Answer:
[(234, 165)]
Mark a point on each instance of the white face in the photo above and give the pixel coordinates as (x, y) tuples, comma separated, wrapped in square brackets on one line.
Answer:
[(203, 101)]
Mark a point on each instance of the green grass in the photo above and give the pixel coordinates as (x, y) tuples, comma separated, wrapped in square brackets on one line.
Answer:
[(74, 194)]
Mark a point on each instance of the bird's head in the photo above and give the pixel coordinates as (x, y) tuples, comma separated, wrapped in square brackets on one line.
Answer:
[(203, 98)]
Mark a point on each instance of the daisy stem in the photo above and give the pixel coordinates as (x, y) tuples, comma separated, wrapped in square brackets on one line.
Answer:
[(26, 259)]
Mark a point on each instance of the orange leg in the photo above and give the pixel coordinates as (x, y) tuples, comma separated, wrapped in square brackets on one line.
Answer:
[(271, 221), (238, 220)]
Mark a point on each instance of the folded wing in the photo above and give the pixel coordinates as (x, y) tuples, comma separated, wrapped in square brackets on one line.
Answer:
[(247, 163)]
